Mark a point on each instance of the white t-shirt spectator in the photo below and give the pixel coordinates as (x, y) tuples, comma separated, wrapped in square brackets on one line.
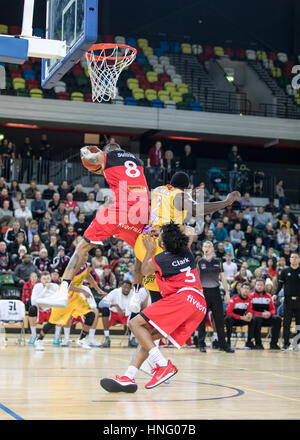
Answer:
[(23, 213), (116, 297), (39, 291), (230, 270)]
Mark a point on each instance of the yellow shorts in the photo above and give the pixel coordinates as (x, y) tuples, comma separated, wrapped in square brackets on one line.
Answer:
[(77, 306), (140, 252)]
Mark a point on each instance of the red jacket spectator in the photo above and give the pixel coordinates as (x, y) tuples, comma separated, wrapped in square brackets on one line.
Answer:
[(238, 307), (260, 303), (155, 155), (27, 289)]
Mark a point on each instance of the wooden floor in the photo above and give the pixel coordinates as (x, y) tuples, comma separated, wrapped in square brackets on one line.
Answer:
[(63, 383)]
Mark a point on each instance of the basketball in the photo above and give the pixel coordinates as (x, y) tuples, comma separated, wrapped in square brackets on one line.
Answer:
[(91, 165)]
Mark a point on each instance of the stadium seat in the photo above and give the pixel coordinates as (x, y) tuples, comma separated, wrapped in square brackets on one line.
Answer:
[(19, 83), (165, 46), (175, 47), (152, 59), (228, 51), (36, 93), (261, 55), (170, 70), (118, 100), (209, 51), (186, 48), (27, 65), (159, 52), (196, 106), (182, 88), (77, 96), (32, 84), (152, 76), (163, 95), (143, 42), (38, 32), (164, 60), (272, 56), (88, 97), (170, 104), (164, 77), (138, 93), (281, 56), (120, 39), (148, 51), (28, 74), (108, 38), (60, 86), (81, 80), (268, 64), (3, 29), (63, 96), (176, 96), (131, 41), (150, 94), (132, 83), (219, 51), (250, 54), (157, 86), (22, 92), (197, 49), (130, 100), (169, 86), (141, 58), (157, 103), (158, 68)]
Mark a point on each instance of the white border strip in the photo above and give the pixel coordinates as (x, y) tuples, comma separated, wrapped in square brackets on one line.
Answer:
[(165, 334)]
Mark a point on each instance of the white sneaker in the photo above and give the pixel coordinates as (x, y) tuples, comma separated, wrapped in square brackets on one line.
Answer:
[(65, 343), (84, 344), (93, 343), (59, 299), (38, 345)]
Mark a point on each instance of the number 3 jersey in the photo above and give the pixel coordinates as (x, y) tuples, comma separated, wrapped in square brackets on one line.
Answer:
[(176, 271), (124, 173)]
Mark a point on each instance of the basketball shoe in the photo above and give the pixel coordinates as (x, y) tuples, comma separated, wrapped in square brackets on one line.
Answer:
[(148, 368), (38, 345), (161, 374), (59, 299), (119, 384), (84, 344)]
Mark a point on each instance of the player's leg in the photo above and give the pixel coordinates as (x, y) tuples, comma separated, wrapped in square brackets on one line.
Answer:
[(39, 341), (67, 329), (32, 318), (103, 307), (91, 340), (88, 322), (56, 338)]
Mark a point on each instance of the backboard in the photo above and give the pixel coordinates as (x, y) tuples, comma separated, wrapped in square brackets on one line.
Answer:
[(76, 23)]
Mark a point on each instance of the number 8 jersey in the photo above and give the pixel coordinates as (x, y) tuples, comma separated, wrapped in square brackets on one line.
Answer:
[(176, 271), (124, 173)]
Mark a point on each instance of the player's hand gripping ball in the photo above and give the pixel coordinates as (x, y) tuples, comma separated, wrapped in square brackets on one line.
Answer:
[(91, 158)]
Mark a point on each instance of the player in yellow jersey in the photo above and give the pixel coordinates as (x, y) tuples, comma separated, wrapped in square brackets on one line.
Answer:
[(81, 303)]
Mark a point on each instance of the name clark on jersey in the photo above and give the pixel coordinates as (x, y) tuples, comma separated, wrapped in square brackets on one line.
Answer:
[(180, 262)]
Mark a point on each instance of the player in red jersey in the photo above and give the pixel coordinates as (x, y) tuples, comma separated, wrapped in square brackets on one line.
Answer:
[(176, 316), (124, 218)]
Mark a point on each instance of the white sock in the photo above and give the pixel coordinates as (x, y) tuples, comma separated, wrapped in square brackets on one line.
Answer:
[(196, 333), (33, 331), (57, 331), (106, 333), (131, 372), (156, 357), (131, 336), (92, 334), (67, 333), (215, 336), (156, 342)]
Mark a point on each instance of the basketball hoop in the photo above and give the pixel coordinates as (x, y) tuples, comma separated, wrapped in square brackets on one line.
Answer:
[(105, 63)]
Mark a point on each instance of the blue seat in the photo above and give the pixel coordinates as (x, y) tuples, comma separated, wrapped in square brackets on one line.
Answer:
[(29, 74), (165, 46), (131, 41), (38, 32), (159, 52), (157, 103), (195, 106), (175, 47), (141, 58), (130, 100)]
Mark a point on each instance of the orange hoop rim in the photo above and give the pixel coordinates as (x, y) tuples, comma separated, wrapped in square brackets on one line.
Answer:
[(101, 46)]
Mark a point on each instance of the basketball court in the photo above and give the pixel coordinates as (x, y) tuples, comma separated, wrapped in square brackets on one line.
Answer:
[(63, 383)]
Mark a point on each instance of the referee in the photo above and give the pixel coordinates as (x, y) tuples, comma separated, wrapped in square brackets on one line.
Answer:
[(209, 270), (289, 279)]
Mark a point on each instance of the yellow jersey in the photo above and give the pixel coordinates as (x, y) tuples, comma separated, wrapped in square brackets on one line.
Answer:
[(162, 209), (79, 278)]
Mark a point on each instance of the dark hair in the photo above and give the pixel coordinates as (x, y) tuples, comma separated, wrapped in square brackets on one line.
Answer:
[(260, 279), (246, 284), (127, 282), (173, 239), (180, 180)]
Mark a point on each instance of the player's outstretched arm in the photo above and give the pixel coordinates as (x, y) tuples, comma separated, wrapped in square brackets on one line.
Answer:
[(216, 206), (92, 158), (186, 201)]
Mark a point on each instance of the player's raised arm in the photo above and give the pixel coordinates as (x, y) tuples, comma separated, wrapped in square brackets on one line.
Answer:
[(92, 158), (148, 267)]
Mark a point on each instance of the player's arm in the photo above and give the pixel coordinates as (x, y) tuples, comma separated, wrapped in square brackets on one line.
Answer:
[(93, 283), (79, 290), (148, 267)]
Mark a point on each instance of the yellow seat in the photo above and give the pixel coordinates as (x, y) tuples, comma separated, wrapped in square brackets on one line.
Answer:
[(219, 51), (176, 97), (142, 42), (77, 96), (86, 71), (186, 48), (261, 55), (182, 88), (36, 93), (151, 76), (132, 83), (169, 86), (163, 95), (148, 50), (138, 93), (3, 29), (19, 83), (150, 94)]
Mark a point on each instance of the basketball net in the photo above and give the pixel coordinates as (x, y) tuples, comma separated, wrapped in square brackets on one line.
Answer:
[(105, 63)]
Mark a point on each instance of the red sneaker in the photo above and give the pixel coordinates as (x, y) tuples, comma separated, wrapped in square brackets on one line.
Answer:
[(161, 374), (119, 384)]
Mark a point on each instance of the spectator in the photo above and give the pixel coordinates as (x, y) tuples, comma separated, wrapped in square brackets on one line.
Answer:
[(61, 261), (269, 236), (27, 289), (24, 270), (6, 215), (69, 236), (274, 220), (55, 277), (169, 165), (3, 183), (220, 251), (26, 153), (230, 268), (5, 196), (291, 217), (261, 218), (280, 193), (31, 190), (59, 213), (36, 246), (286, 253), (63, 226), (74, 215), (79, 195), (5, 261), (19, 241), (236, 235), (228, 248), (38, 206), (283, 237), (33, 229), (23, 214), (49, 192), (243, 222), (44, 226), (230, 213), (155, 163), (244, 275), (70, 203), (234, 162), (220, 232), (64, 189), (272, 270), (45, 151), (258, 250), (270, 207), (237, 313), (99, 260), (284, 221), (271, 254), (294, 244), (246, 202), (14, 188), (263, 311), (16, 200), (98, 193), (90, 206), (53, 205), (107, 281), (247, 215), (52, 247), (189, 162), (11, 233), (250, 235), (243, 252), (81, 225), (42, 262), (258, 183)]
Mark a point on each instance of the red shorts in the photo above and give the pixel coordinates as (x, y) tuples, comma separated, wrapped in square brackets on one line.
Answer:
[(109, 222), (114, 318), (43, 316), (178, 315)]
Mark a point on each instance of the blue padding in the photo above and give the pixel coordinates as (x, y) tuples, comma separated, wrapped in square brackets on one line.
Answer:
[(29, 74), (38, 32), (195, 106), (175, 47), (131, 41), (159, 52), (157, 103), (164, 45), (130, 101), (13, 50)]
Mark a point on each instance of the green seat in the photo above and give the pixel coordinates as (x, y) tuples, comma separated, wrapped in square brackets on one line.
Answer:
[(81, 80), (22, 92), (253, 264), (7, 279)]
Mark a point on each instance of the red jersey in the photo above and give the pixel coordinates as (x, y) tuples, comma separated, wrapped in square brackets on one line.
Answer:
[(176, 271), (261, 303), (237, 306), (124, 173)]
